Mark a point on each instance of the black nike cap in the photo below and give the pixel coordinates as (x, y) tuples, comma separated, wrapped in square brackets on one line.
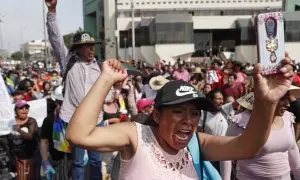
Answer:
[(178, 92)]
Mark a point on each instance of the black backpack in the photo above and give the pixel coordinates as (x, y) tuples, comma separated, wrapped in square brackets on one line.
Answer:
[(6, 159)]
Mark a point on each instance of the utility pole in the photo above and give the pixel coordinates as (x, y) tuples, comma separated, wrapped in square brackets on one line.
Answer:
[(22, 45), (125, 43), (1, 35), (133, 29), (45, 37)]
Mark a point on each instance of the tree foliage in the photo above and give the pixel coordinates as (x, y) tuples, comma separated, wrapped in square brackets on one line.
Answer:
[(17, 55)]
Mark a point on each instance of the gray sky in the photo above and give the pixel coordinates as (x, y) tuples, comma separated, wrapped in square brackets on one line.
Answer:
[(25, 18)]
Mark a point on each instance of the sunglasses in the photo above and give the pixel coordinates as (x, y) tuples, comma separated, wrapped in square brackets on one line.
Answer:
[(26, 107)]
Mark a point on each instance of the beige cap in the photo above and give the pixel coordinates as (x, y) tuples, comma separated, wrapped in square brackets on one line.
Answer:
[(156, 83), (197, 70), (295, 91), (248, 100)]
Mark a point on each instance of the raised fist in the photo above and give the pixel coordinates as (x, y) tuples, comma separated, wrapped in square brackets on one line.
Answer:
[(114, 69), (51, 4)]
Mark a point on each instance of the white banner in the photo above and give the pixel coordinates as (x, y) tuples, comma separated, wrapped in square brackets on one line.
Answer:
[(38, 110), (7, 114)]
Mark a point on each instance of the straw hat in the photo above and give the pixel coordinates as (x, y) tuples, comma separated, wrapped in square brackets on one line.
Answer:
[(248, 100), (158, 82), (295, 91), (197, 70)]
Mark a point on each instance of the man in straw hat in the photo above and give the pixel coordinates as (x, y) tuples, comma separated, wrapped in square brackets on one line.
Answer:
[(80, 71)]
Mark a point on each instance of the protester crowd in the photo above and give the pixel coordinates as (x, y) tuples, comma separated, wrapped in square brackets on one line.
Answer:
[(146, 116)]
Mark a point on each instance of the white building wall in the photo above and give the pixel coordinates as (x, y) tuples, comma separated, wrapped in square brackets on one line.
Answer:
[(125, 5), (137, 53), (249, 53), (123, 23), (171, 52), (293, 49), (148, 54), (246, 53), (216, 22)]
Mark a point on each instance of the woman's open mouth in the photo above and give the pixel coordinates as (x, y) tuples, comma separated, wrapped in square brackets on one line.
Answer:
[(183, 135)]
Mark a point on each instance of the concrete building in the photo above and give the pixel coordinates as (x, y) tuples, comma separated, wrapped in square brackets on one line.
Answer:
[(100, 21), (4, 54), (187, 29), (92, 19), (292, 5), (36, 49)]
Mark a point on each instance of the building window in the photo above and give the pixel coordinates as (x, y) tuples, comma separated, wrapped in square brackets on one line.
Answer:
[(292, 31), (168, 33)]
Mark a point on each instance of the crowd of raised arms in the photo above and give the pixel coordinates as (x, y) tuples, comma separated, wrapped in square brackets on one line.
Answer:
[(129, 119)]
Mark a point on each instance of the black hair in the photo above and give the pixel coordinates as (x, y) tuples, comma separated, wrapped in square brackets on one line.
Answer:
[(23, 86), (153, 74), (17, 92), (44, 84), (10, 72), (231, 74), (198, 77), (54, 72), (211, 94)]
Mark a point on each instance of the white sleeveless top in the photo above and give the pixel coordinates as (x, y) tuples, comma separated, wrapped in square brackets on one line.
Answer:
[(151, 162)]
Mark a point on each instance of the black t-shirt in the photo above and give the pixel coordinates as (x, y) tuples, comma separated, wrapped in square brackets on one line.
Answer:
[(22, 148), (46, 133), (295, 109)]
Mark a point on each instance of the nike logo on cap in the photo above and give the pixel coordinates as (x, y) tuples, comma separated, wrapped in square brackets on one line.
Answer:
[(185, 90)]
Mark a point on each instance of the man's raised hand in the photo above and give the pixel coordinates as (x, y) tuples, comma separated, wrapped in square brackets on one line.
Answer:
[(51, 4)]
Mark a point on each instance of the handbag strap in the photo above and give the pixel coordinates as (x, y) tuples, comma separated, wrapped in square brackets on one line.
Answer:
[(201, 157), (204, 122)]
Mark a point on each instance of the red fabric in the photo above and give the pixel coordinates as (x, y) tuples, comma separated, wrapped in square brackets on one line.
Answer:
[(142, 103), (27, 97), (235, 91), (296, 80), (221, 77)]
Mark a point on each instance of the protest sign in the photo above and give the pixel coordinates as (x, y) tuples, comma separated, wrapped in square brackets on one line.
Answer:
[(38, 110), (211, 77), (7, 115)]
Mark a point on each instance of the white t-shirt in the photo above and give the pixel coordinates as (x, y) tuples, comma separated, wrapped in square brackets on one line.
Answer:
[(217, 124)]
